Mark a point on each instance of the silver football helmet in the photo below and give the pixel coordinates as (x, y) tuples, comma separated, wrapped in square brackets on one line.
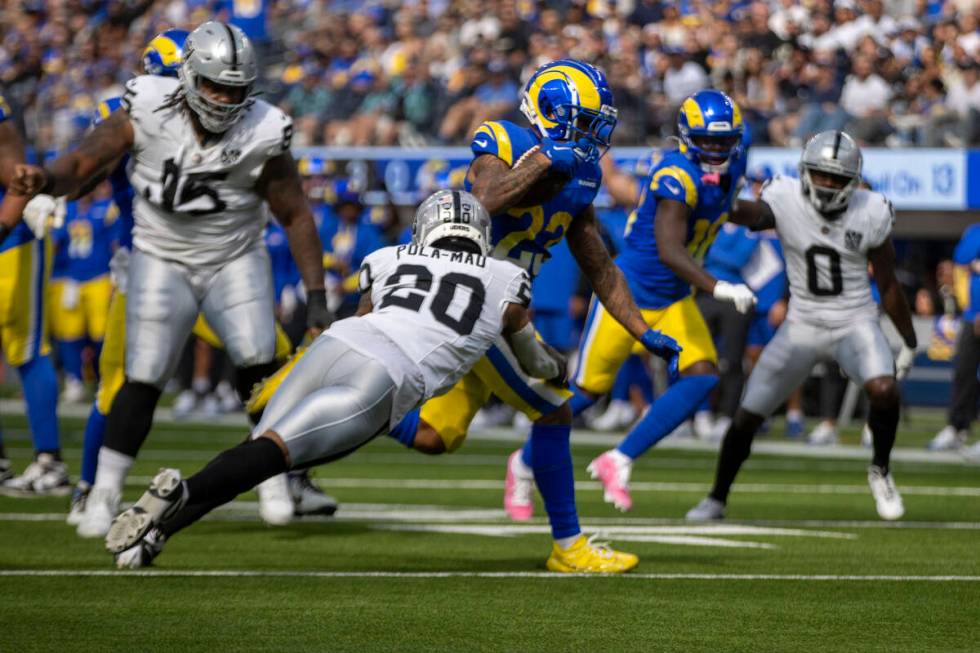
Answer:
[(451, 214), (833, 153), (222, 54)]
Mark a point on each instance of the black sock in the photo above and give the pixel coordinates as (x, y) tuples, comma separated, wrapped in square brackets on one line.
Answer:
[(734, 451), (131, 417), (883, 422), (235, 471), (247, 377), (189, 514)]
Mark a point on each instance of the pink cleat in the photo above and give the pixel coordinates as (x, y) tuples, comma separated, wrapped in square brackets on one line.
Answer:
[(613, 469), (518, 487)]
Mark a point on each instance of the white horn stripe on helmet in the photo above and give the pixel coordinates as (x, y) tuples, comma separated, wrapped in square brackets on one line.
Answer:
[(833, 153), (222, 54)]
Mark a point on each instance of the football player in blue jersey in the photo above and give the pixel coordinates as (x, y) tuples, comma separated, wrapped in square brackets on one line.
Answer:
[(538, 183), (80, 289), (25, 265), (686, 198)]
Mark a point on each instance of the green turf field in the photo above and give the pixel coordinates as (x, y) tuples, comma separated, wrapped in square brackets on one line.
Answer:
[(421, 558)]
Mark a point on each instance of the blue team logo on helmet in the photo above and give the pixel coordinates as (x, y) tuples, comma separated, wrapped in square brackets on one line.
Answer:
[(710, 127), (569, 100), (165, 53)]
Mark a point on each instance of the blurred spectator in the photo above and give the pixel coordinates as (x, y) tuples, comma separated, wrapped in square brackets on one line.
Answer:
[(382, 73), (865, 97)]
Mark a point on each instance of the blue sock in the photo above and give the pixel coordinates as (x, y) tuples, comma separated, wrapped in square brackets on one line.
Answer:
[(41, 395), (640, 377), (94, 435), (670, 409), (621, 387), (551, 460), (579, 401), (404, 432), (70, 357)]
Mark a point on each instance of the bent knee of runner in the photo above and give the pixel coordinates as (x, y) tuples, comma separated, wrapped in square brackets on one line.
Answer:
[(700, 368), (429, 441), (882, 391), (275, 437), (563, 415)]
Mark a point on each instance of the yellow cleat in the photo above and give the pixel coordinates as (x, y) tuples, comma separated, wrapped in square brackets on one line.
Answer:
[(588, 557)]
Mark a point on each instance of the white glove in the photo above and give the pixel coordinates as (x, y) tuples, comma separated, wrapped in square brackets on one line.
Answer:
[(70, 295), (288, 301), (119, 269), (43, 212), (903, 362), (736, 293)]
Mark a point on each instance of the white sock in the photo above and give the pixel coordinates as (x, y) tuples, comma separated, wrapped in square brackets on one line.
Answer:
[(566, 542), (620, 457), (113, 469), (795, 415)]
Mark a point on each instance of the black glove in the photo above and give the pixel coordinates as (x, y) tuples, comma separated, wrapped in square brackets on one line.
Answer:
[(318, 316)]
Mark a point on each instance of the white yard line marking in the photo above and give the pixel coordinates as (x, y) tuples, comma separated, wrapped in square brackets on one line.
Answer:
[(85, 573), (639, 486)]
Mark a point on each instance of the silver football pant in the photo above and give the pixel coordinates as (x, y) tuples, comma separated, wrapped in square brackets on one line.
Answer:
[(860, 349), (163, 302), (332, 402)]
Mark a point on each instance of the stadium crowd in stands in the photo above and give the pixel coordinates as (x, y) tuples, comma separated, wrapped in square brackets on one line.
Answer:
[(893, 72)]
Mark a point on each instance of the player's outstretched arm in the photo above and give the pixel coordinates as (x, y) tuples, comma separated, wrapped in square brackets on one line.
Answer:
[(498, 186), (537, 358), (100, 147), (893, 299), (670, 231), (11, 154), (282, 188), (754, 214), (606, 278)]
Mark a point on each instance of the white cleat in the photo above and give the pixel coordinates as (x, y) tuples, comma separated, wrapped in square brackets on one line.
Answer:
[(618, 416), (824, 435), (887, 499), (722, 424), (46, 476), (867, 437), (79, 496), (184, 404), (709, 509), (704, 425), (143, 553), (972, 453), (275, 503), (162, 500), (74, 392), (308, 498), (948, 439), (100, 507)]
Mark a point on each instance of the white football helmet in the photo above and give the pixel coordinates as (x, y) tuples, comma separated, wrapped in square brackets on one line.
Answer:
[(452, 214)]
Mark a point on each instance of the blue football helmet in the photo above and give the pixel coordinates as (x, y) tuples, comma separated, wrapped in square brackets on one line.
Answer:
[(569, 100), (710, 127), (165, 53)]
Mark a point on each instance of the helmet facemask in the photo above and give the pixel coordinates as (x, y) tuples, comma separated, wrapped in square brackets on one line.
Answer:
[(828, 191), (215, 116)]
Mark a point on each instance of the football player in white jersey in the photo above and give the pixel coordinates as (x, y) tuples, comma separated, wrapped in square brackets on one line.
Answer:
[(204, 156), (830, 230), (429, 311)]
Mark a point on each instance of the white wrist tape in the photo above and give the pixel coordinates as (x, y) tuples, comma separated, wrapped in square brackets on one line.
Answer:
[(534, 358)]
